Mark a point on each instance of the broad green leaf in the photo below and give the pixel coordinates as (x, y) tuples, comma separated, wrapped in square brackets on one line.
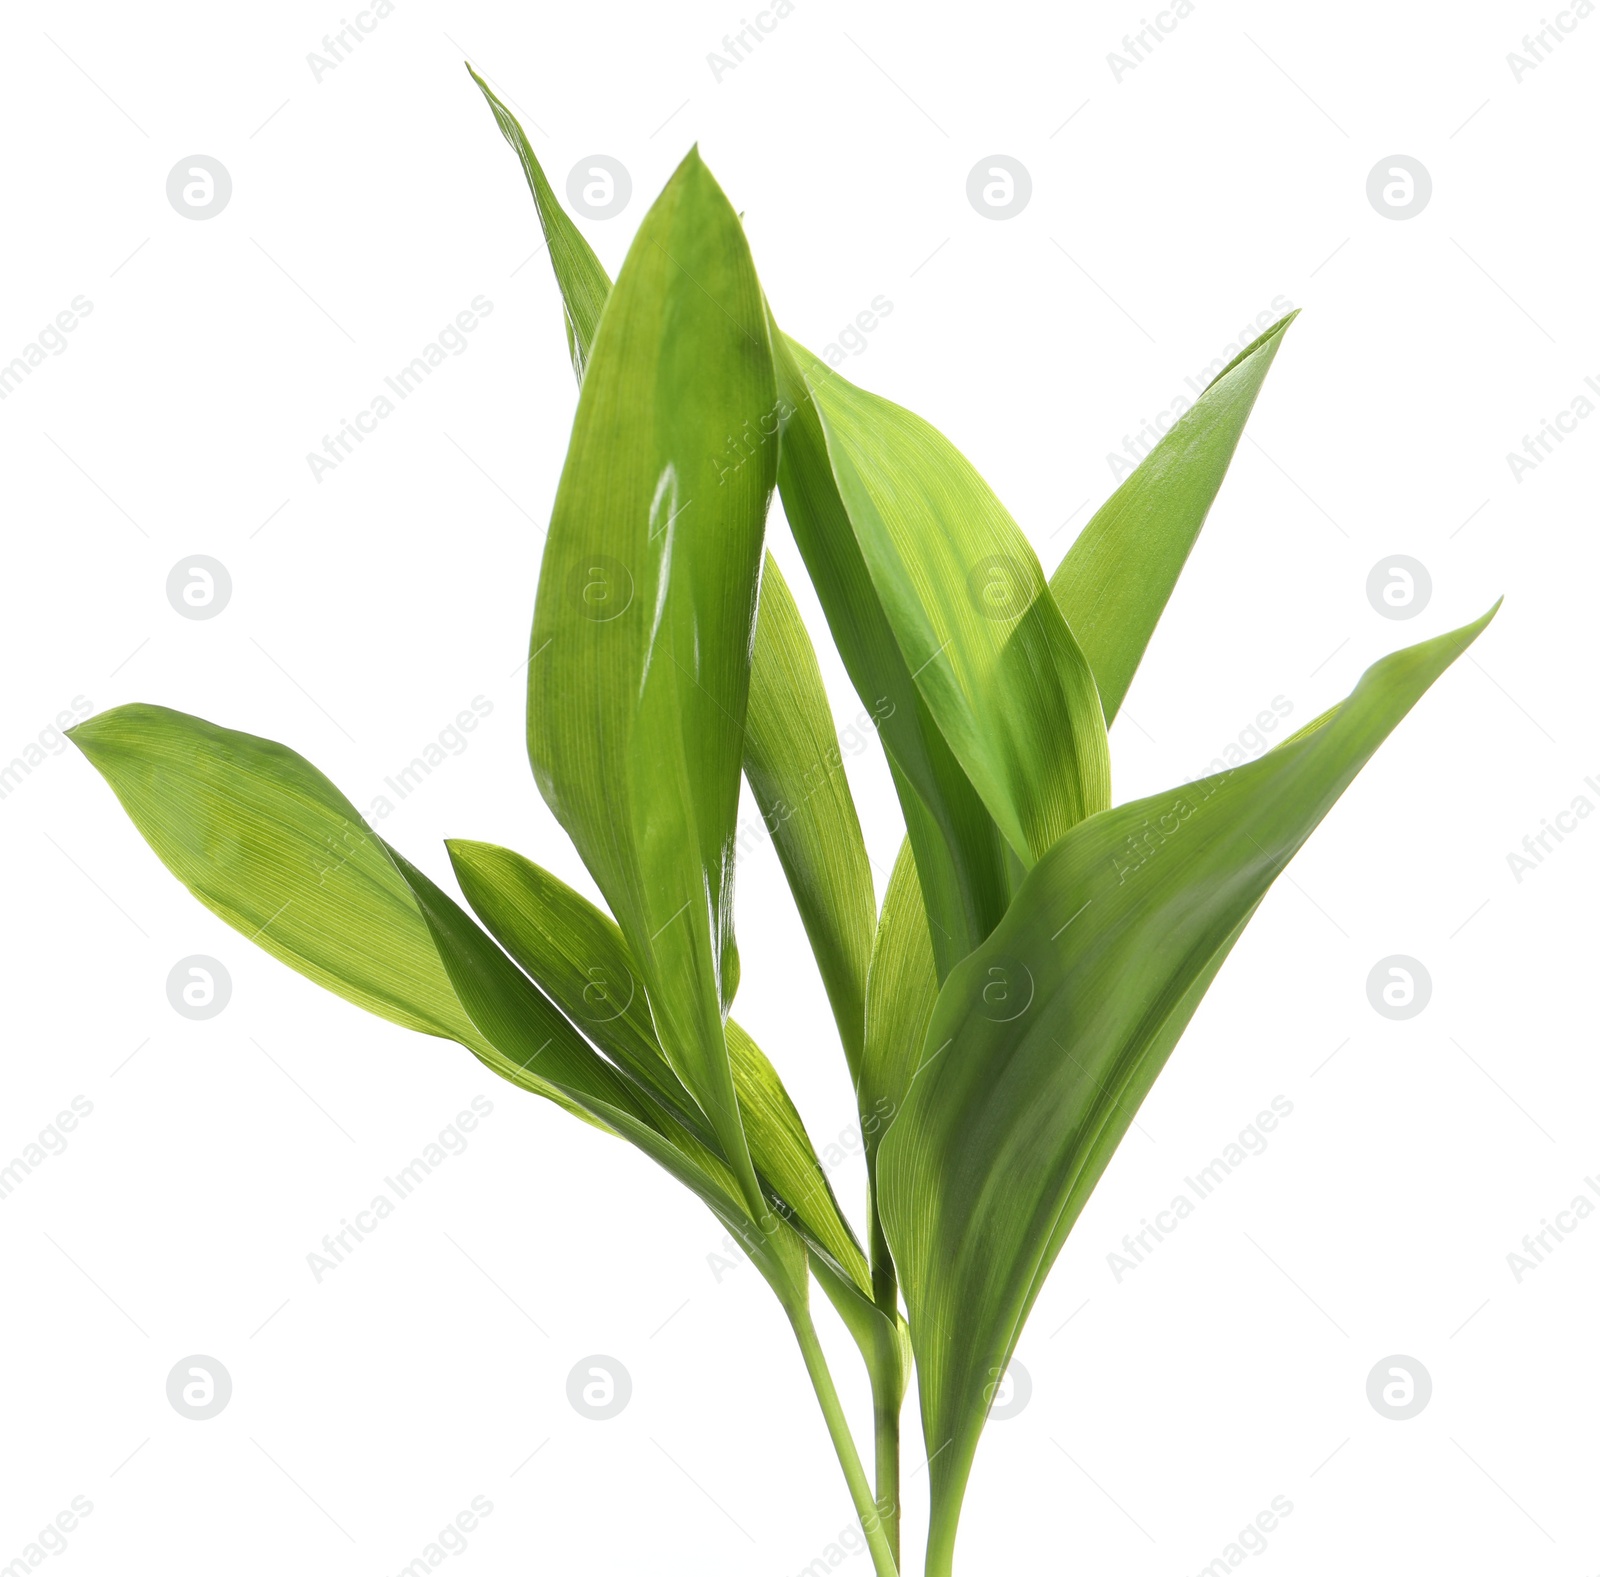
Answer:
[(971, 612), (796, 772), (791, 750), (1044, 1042), (639, 661), (584, 283), (270, 846), (520, 1027), (1117, 576), (580, 958), (961, 857)]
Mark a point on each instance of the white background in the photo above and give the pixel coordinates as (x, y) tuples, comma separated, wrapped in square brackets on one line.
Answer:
[(1169, 208)]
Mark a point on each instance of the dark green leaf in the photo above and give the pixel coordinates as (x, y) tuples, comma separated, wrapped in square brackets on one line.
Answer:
[(639, 662), (796, 772), (1116, 578), (1044, 1042)]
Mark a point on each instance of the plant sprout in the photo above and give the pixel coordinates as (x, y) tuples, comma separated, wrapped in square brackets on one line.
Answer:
[(1039, 950)]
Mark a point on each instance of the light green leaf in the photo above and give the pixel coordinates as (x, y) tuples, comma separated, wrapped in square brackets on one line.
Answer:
[(520, 1028), (584, 283), (580, 958), (902, 986), (270, 846), (1117, 576), (791, 750), (1044, 1042), (971, 613), (639, 662), (796, 773), (960, 854)]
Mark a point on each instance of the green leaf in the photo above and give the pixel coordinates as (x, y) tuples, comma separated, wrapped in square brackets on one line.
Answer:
[(521, 1026), (783, 1151), (580, 958), (791, 750), (270, 846), (793, 764), (1044, 1042), (902, 986), (971, 613), (961, 857), (584, 283), (639, 662), (1117, 576)]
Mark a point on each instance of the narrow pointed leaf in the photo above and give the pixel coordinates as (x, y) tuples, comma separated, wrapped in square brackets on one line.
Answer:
[(793, 764), (970, 610), (584, 283), (1043, 1043), (960, 853), (521, 1029), (791, 751), (580, 958), (902, 985), (639, 662), (1117, 576), (270, 845)]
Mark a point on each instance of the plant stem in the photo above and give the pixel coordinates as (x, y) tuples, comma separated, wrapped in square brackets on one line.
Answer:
[(888, 1386), (886, 1427), (872, 1524)]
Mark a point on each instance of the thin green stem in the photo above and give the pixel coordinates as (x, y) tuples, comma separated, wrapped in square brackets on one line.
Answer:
[(872, 1524), (888, 1383)]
